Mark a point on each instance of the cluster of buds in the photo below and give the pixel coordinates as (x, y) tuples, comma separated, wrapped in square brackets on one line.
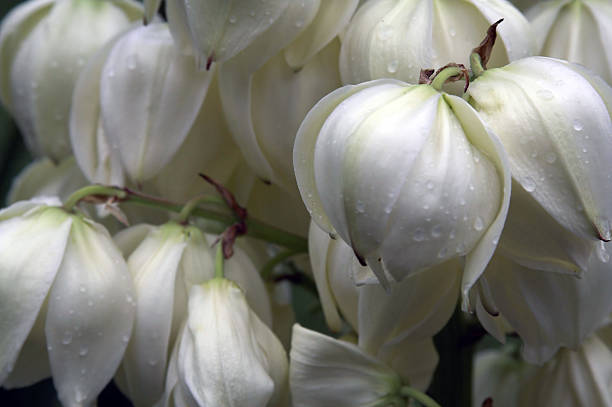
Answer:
[(419, 166)]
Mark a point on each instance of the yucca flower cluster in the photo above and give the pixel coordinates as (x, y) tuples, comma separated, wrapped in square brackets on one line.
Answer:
[(309, 203)]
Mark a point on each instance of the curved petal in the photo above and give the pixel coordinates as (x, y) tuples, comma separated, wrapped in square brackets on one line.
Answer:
[(130, 238), (487, 142), (153, 266), (221, 29), (331, 18), (91, 313), (31, 248), (415, 362), (550, 310), (329, 372), (150, 95), (151, 7), (179, 27), (16, 26)]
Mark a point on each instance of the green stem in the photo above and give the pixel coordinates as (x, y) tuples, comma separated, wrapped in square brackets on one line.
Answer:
[(92, 190), (476, 65), (192, 204), (444, 75), (219, 260), (213, 211), (421, 397), (268, 268)]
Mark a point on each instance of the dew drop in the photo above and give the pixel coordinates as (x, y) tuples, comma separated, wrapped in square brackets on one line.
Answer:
[(460, 248), (603, 255), (82, 289), (429, 185), (550, 157), (83, 352), (67, 338), (436, 231), (49, 348), (545, 94), (131, 62), (577, 124), (360, 207), (385, 32), (442, 253), (111, 73), (478, 223), (299, 23), (529, 184), (125, 338), (152, 362), (451, 235), (232, 19), (419, 235), (392, 66), (452, 32)]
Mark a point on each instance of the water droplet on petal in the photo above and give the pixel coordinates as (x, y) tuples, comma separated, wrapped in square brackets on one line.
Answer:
[(232, 19), (442, 253), (360, 207), (550, 157), (67, 338), (83, 352), (529, 184), (419, 235), (603, 255), (436, 231), (577, 124), (392, 66), (478, 223)]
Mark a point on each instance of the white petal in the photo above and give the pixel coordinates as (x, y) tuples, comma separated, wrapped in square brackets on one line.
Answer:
[(91, 147), (150, 96), (130, 238), (413, 310), (151, 8), (47, 66), (221, 29), (44, 178), (31, 248), (219, 346), (90, 317), (550, 310), (549, 246), (329, 372), (331, 18), (179, 27), (415, 362), (153, 266), (16, 26)]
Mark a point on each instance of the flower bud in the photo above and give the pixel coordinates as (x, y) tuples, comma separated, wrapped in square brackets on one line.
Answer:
[(577, 31), (43, 47), (134, 106), (396, 39), (226, 355), (165, 262), (408, 176), (71, 262), (554, 121)]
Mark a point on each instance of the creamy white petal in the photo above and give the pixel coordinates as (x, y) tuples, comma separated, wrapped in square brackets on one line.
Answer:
[(31, 248), (414, 361), (153, 266), (220, 29), (556, 133), (550, 310), (219, 346), (44, 178), (151, 7), (90, 316), (46, 68), (90, 145), (331, 18), (329, 372), (176, 14), (16, 26), (130, 238), (150, 95)]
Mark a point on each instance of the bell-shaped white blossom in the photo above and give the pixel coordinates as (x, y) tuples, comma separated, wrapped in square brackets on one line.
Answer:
[(331, 372), (43, 47), (550, 310), (577, 31), (265, 79), (165, 262), (44, 178), (398, 38), (408, 176), (573, 378), (226, 356), (554, 120), (67, 301), (220, 29), (134, 106)]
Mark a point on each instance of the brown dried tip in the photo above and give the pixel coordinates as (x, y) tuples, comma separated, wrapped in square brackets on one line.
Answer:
[(229, 236), (209, 61), (488, 402), (424, 76), (485, 48)]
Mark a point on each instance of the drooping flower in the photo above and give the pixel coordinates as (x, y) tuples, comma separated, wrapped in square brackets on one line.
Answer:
[(165, 261), (554, 120), (398, 38), (226, 356), (577, 31), (408, 176), (44, 44), (66, 301)]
